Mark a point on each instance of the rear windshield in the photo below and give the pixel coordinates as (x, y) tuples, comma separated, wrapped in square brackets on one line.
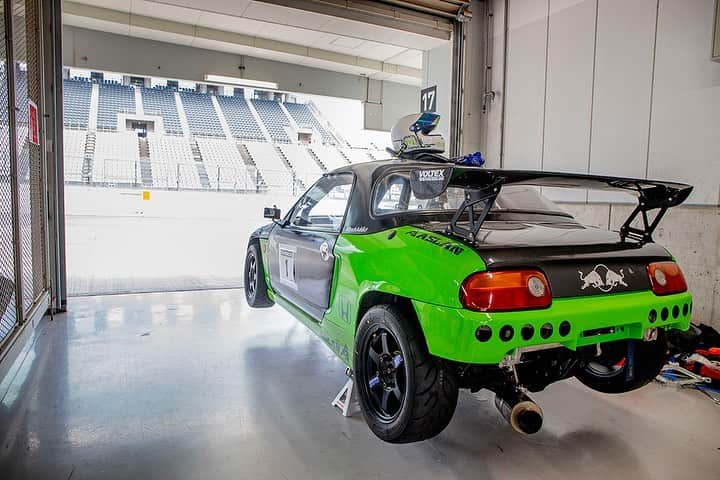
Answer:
[(394, 195)]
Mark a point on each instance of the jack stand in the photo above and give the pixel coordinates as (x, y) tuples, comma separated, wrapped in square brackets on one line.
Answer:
[(345, 400)]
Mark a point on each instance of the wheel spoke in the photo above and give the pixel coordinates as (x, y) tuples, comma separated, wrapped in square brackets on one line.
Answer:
[(374, 382), (396, 391), (384, 342), (384, 402), (374, 357)]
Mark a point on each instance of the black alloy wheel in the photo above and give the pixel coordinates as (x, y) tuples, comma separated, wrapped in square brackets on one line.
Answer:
[(385, 371)]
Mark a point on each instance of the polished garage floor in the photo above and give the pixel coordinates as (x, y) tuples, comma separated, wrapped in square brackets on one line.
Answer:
[(197, 385)]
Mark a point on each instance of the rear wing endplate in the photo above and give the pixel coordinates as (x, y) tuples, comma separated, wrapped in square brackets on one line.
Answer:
[(482, 187)]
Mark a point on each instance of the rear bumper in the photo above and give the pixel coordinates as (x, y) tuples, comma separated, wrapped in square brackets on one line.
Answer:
[(450, 333)]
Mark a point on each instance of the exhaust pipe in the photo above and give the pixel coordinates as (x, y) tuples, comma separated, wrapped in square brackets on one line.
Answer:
[(523, 415)]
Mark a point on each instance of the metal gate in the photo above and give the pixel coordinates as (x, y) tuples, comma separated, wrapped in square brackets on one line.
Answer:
[(23, 215)]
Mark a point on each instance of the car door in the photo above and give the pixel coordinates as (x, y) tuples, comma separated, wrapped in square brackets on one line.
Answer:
[(300, 251)]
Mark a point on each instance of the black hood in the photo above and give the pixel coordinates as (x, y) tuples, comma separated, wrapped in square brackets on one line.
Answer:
[(578, 260)]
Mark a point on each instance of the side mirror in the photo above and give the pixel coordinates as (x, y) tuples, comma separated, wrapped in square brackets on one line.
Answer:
[(272, 213)]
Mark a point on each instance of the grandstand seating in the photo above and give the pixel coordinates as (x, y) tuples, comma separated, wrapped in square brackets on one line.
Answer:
[(116, 156), (274, 119), (356, 155), (162, 100), (224, 165), (21, 95), (3, 94), (4, 154), (76, 103), (113, 99), (271, 167), (172, 162), (239, 118), (306, 168), (304, 118), (379, 154), (74, 148), (201, 115), (329, 156)]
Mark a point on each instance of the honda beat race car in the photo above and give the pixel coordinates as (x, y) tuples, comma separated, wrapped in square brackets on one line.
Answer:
[(426, 276)]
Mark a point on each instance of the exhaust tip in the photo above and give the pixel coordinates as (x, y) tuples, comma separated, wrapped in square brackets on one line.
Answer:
[(523, 415), (526, 418)]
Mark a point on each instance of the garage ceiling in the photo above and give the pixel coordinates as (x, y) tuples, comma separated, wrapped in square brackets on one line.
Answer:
[(382, 40)]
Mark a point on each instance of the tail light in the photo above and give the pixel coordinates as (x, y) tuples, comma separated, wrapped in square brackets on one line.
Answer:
[(505, 290), (666, 278)]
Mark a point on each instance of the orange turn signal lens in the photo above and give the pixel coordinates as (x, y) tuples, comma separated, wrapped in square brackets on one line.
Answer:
[(505, 290), (666, 278)]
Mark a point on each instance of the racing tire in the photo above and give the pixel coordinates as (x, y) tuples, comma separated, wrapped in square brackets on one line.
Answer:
[(609, 372), (406, 394), (255, 287)]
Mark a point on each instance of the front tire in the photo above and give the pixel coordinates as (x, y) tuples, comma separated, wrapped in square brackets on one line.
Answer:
[(406, 394), (612, 372), (255, 286)]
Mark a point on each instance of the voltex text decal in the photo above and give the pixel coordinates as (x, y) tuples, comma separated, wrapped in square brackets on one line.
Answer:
[(448, 245)]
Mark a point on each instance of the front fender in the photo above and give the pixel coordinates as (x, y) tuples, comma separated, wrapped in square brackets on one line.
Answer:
[(261, 233)]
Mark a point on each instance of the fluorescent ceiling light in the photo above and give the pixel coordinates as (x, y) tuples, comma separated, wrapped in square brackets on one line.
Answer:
[(240, 81)]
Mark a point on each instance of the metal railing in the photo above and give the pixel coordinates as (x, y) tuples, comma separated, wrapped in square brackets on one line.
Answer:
[(112, 172)]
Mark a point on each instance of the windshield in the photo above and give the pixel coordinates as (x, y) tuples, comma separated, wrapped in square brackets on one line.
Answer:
[(394, 195)]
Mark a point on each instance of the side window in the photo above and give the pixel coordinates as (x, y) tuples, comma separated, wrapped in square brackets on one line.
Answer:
[(323, 206)]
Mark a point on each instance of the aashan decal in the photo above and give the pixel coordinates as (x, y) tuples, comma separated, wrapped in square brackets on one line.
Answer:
[(448, 245)]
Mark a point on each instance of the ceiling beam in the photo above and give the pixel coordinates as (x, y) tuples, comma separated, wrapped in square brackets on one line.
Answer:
[(375, 13), (366, 65)]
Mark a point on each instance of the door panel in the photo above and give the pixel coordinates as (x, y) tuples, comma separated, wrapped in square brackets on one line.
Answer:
[(301, 267), (300, 252)]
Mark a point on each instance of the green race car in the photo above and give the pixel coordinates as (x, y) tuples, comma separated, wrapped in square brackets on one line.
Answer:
[(425, 277)]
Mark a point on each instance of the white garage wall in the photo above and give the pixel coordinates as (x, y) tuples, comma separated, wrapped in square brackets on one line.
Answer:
[(568, 89), (437, 70), (685, 128), (612, 87), (525, 83), (621, 88)]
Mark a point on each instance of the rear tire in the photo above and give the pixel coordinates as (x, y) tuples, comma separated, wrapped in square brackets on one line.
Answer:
[(406, 394), (255, 286), (609, 372)]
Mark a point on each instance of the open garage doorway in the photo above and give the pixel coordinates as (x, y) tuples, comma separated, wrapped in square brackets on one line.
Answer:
[(165, 180), (173, 146)]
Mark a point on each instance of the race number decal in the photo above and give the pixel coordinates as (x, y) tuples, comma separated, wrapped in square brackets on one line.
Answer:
[(287, 265)]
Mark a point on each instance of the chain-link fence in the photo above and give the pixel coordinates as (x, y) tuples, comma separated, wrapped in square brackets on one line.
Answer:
[(23, 244)]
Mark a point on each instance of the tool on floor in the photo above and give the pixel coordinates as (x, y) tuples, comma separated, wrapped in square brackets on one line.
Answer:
[(674, 374)]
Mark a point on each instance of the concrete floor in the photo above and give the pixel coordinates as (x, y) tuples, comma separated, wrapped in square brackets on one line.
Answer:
[(196, 385)]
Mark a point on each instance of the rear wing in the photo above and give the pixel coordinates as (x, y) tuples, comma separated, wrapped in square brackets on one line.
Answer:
[(482, 187)]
